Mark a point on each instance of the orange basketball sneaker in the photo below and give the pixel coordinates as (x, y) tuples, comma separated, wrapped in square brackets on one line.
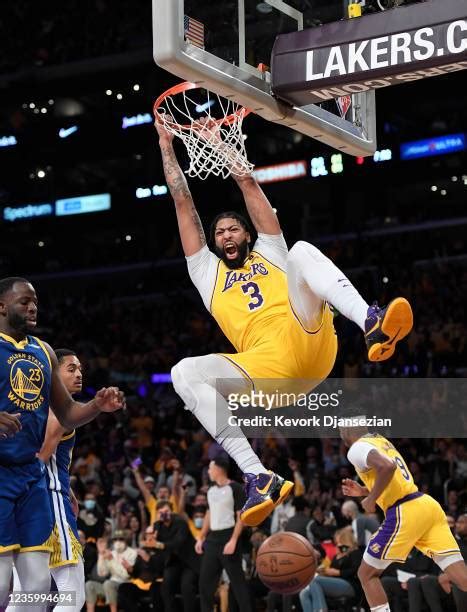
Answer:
[(264, 493), (384, 327)]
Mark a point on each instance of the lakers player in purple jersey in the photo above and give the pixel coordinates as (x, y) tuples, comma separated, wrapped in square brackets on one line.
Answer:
[(274, 306), (29, 385), (411, 519)]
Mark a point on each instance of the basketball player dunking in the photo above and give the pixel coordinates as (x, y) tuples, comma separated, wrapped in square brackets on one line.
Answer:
[(273, 306)]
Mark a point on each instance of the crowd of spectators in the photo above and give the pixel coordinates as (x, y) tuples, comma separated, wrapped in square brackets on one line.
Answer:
[(141, 477), (124, 500), (143, 471)]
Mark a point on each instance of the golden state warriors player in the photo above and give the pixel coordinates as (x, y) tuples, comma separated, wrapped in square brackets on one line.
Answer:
[(411, 519), (29, 384), (273, 306), (66, 563)]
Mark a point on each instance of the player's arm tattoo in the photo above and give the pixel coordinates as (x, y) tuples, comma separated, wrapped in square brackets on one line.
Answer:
[(179, 189), (176, 181), (197, 223)]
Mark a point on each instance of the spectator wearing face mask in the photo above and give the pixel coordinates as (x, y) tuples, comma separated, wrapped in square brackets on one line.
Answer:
[(181, 569), (194, 512), (91, 518), (115, 564), (196, 520)]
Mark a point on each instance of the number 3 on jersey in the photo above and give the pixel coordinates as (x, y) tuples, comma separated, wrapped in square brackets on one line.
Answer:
[(403, 468), (253, 291)]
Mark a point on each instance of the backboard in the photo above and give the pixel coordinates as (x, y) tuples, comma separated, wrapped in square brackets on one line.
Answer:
[(225, 46)]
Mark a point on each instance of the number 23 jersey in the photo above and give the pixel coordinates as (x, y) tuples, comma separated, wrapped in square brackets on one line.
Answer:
[(25, 375)]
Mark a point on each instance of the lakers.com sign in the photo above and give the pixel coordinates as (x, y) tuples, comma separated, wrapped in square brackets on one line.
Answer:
[(356, 55)]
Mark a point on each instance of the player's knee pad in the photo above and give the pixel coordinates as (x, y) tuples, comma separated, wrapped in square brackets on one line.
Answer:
[(184, 375)]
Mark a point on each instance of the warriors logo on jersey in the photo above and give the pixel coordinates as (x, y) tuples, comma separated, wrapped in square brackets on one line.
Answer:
[(26, 380), (25, 372), (25, 375)]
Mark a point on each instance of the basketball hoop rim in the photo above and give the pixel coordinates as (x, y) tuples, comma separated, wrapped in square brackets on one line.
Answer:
[(186, 86)]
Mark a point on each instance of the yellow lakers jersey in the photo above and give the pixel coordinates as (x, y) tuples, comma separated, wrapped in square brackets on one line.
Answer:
[(249, 302), (401, 483)]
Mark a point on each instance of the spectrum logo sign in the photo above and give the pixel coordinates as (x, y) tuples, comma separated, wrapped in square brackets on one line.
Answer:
[(29, 211), (68, 206)]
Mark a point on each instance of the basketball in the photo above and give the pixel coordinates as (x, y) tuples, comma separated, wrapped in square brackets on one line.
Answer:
[(286, 562)]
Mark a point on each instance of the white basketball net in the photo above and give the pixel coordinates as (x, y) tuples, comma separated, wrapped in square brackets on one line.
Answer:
[(220, 152)]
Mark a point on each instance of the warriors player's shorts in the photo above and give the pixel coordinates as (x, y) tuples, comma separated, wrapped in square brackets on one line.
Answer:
[(65, 541), (292, 352), (415, 520), (25, 517)]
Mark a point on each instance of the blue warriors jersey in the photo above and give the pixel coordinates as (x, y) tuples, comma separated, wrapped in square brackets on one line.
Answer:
[(25, 377), (58, 466), (65, 540)]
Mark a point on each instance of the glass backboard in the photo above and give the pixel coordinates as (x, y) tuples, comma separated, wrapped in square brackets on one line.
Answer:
[(225, 46)]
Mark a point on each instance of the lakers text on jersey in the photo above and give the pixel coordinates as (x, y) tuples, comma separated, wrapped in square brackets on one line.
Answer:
[(252, 307)]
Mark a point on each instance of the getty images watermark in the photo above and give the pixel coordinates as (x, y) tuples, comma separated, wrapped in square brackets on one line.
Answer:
[(394, 407), (311, 401), (262, 399)]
